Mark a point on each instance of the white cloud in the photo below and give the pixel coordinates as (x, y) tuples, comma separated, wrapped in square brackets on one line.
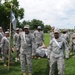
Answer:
[(58, 13)]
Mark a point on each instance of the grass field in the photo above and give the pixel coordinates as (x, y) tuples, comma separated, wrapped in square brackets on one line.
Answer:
[(40, 66)]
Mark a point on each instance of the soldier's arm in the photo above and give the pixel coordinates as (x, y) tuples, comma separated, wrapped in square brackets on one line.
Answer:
[(50, 49), (68, 38), (2, 45), (43, 40), (14, 40), (71, 45), (42, 36), (19, 41), (66, 48), (33, 42)]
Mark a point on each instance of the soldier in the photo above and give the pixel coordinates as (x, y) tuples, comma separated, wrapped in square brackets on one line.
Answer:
[(56, 54), (1, 31), (1, 36), (65, 35), (26, 44), (5, 47), (52, 33), (39, 37), (68, 33), (73, 44), (16, 44)]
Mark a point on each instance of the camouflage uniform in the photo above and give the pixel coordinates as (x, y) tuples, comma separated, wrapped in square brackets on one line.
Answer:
[(26, 51), (73, 43), (69, 34), (51, 35), (5, 48), (39, 38), (16, 44), (56, 55), (66, 37), (1, 36)]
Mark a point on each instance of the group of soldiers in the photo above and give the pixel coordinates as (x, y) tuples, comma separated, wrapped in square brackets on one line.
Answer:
[(26, 44), (61, 45)]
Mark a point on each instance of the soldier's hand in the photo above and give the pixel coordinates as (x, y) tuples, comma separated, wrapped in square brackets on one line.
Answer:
[(44, 47), (13, 49)]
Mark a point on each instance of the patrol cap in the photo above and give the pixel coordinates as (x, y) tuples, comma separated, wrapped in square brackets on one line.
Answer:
[(0, 27), (17, 28), (56, 31), (39, 27), (27, 26), (7, 32), (20, 28)]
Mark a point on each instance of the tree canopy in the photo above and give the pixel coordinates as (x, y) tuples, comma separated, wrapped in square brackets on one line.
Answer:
[(5, 10)]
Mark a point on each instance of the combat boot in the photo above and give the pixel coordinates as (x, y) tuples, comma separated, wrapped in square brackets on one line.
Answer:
[(5, 65), (30, 74), (24, 73)]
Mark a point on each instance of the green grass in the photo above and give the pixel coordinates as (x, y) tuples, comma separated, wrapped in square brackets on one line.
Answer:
[(46, 39), (40, 66)]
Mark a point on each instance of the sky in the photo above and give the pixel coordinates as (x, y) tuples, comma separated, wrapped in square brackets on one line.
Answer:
[(58, 13)]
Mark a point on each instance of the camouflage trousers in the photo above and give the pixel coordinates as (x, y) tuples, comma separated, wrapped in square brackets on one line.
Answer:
[(17, 51), (60, 65), (26, 59), (5, 56)]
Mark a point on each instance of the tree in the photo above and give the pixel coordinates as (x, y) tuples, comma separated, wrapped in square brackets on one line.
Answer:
[(5, 9), (47, 28), (35, 23), (24, 23)]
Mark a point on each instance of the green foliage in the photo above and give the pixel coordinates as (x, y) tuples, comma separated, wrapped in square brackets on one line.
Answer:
[(5, 9), (35, 23), (47, 28)]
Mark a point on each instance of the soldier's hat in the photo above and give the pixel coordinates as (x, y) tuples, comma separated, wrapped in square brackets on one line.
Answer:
[(0, 27), (17, 29), (39, 27), (56, 31), (26, 27)]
